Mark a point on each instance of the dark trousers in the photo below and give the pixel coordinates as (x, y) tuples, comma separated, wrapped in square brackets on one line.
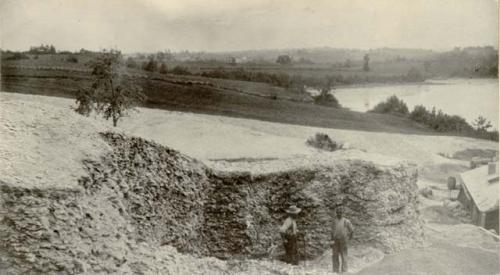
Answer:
[(291, 250), (339, 250)]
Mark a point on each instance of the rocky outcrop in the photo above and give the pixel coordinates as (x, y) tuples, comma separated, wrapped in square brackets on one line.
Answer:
[(50, 231), (143, 198), (380, 202), (162, 191)]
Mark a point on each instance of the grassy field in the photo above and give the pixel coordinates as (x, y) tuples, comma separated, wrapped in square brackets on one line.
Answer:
[(310, 70), (55, 75), (311, 74), (212, 99)]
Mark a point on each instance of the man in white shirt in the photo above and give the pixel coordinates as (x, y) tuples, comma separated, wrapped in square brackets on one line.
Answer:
[(289, 234), (342, 230)]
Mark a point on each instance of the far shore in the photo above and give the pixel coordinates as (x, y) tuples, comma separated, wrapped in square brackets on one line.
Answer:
[(387, 84)]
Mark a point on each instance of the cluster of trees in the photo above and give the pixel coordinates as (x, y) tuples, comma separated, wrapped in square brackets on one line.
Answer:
[(164, 56), (155, 66), (284, 59), (469, 62), (180, 70), (152, 65), (280, 80), (42, 49), (72, 58), (414, 75), (14, 56), (157, 63), (437, 120)]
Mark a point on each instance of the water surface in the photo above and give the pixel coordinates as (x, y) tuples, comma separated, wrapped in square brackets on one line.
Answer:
[(468, 98)]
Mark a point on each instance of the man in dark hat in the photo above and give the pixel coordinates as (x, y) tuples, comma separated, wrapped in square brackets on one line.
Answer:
[(289, 234), (342, 231)]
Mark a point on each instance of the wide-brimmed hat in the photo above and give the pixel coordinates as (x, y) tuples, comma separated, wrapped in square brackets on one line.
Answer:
[(293, 210)]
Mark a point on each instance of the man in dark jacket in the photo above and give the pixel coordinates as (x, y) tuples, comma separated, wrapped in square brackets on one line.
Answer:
[(342, 230), (289, 234)]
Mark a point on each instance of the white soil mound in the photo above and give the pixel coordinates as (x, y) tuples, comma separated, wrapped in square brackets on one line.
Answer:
[(43, 145)]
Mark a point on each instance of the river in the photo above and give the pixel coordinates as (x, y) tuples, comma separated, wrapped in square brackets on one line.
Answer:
[(468, 98)]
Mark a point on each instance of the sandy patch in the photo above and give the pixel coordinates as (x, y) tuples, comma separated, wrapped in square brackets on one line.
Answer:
[(44, 145)]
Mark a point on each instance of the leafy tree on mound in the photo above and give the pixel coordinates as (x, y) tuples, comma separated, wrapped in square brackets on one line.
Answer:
[(109, 94)]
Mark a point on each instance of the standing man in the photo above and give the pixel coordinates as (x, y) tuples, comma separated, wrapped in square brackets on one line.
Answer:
[(289, 234), (342, 230)]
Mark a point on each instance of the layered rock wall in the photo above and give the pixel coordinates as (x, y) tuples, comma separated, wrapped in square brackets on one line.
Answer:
[(145, 193), (380, 202)]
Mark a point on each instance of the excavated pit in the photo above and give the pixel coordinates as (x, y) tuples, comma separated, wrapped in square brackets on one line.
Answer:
[(143, 193)]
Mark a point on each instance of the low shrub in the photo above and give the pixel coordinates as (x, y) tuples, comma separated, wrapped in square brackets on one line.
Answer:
[(393, 105), (426, 192), (72, 59), (326, 98), (151, 65), (179, 70), (131, 63), (323, 142), (17, 56), (163, 68)]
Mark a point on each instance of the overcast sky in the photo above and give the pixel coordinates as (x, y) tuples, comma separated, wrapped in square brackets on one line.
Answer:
[(214, 25)]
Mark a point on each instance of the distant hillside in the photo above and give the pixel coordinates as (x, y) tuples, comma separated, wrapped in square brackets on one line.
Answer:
[(469, 61), (316, 55)]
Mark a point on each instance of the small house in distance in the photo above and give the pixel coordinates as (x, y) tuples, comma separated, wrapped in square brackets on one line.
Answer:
[(480, 194)]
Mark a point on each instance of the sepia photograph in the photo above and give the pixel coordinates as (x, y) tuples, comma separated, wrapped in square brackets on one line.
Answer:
[(280, 137)]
